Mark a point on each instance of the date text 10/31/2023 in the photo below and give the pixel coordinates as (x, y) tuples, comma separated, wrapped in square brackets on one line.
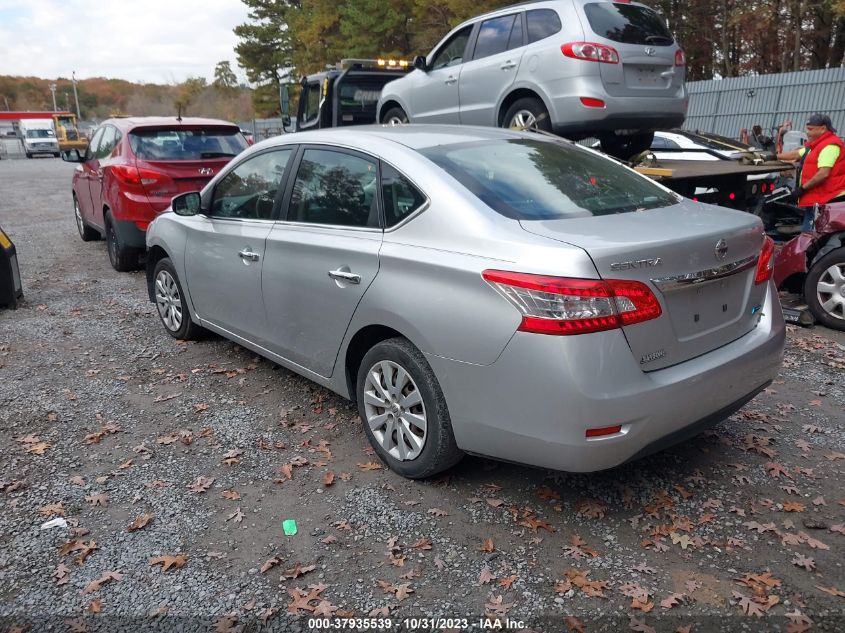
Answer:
[(415, 624)]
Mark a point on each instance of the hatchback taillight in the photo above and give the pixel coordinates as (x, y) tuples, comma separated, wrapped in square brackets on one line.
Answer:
[(680, 58), (766, 263), (129, 175), (561, 305), (591, 52)]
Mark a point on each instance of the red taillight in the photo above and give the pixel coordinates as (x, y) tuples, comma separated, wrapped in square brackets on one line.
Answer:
[(606, 430), (732, 196), (766, 263), (680, 58), (129, 175), (561, 306), (591, 52), (592, 103)]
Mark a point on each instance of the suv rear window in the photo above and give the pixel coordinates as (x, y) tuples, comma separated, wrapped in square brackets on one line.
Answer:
[(628, 24), (526, 179), (186, 143)]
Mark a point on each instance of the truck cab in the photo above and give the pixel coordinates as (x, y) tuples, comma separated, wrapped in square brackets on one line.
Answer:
[(38, 137), (346, 93)]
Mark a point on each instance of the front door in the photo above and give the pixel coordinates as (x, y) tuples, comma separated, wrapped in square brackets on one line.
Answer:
[(226, 244), (322, 258), (101, 162), (87, 174), (435, 97)]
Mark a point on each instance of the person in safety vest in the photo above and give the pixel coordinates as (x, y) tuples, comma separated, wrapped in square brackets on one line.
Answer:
[(822, 169)]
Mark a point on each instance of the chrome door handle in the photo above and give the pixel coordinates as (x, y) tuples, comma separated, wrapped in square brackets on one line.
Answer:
[(342, 275), (450, 81), (508, 65), (248, 254)]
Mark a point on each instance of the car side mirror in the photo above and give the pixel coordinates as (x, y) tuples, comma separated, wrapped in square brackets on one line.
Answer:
[(419, 63), (187, 204), (73, 156)]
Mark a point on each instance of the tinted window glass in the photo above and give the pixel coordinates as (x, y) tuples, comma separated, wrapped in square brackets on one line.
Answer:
[(40, 134), (537, 180), (400, 197), (249, 191), (95, 142), (515, 40), (311, 109), (452, 53), (541, 24), (335, 188), (358, 97), (628, 23), (493, 36), (110, 138), (186, 143)]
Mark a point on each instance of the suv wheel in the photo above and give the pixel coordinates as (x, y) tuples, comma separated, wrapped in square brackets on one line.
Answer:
[(404, 411), (625, 147), (85, 232), (172, 310), (527, 113), (395, 116), (824, 289), (122, 258)]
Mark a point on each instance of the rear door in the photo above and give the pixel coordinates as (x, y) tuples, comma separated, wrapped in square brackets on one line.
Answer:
[(434, 94), (322, 256), (645, 45), (497, 53), (225, 246)]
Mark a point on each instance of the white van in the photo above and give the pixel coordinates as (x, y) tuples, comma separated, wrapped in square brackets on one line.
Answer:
[(39, 137)]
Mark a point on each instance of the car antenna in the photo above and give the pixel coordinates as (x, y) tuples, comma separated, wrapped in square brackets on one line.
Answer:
[(179, 113)]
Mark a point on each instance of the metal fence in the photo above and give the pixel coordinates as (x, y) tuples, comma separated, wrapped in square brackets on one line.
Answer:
[(724, 106), (11, 147)]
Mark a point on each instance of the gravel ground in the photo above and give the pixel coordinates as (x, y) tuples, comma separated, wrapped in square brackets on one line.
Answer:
[(105, 419)]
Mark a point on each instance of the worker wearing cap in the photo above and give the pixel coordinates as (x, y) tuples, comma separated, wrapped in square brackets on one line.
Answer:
[(823, 172)]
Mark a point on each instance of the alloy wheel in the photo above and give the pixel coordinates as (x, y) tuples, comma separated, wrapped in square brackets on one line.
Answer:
[(395, 120), (395, 411), (523, 120), (830, 290), (168, 301)]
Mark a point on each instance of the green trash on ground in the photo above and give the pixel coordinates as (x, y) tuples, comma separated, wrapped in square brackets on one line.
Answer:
[(289, 526)]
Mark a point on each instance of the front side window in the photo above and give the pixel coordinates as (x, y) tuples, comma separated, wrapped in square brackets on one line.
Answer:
[(335, 188), (542, 23), (311, 108), (248, 192), (95, 143), (515, 40), (183, 143), (110, 138), (627, 24), (526, 179), (493, 36), (401, 198), (452, 52)]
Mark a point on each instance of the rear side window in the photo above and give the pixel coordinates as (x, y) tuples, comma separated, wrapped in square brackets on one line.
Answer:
[(493, 36), (538, 180), (335, 188), (401, 198), (628, 24), (541, 24), (186, 143)]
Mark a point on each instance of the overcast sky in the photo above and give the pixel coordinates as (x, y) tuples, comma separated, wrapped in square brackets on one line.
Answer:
[(149, 41)]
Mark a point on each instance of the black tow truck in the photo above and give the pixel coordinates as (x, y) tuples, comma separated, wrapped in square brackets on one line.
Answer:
[(346, 93)]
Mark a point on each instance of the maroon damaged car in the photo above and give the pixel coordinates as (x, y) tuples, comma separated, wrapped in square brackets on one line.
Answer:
[(134, 166), (813, 264)]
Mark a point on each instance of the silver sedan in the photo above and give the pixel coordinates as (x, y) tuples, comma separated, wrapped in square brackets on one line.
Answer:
[(477, 290)]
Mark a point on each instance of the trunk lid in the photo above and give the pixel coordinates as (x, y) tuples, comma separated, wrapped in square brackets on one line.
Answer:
[(175, 177), (708, 298)]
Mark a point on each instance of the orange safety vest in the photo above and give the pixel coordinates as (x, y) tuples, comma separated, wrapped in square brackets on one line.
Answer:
[(834, 184)]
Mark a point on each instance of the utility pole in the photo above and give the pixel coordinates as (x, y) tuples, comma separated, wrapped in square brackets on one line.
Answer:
[(67, 101), (53, 90), (76, 96)]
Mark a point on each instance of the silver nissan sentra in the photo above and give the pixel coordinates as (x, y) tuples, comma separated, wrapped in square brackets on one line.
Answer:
[(477, 290)]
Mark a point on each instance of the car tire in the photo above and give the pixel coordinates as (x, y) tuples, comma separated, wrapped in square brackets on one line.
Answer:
[(170, 303), (123, 258), (824, 289), (28, 155), (527, 113), (86, 233), (414, 450), (626, 147), (395, 116), (56, 155)]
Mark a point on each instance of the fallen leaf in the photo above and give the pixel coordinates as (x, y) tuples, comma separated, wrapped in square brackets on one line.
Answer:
[(671, 600), (485, 576), (747, 605), (487, 545), (370, 466), (422, 544), (200, 407), (776, 470), (494, 502), (95, 606), (52, 509), (105, 577), (269, 564), (62, 574), (497, 605), (140, 523), (802, 561), (639, 625), (833, 591), (328, 480), (231, 495), (798, 622), (507, 581), (169, 562), (297, 571), (287, 471), (574, 624), (591, 508), (201, 484), (794, 506), (437, 512), (237, 515)]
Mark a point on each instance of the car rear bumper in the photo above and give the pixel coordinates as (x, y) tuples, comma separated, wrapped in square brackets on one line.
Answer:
[(535, 403), (129, 234)]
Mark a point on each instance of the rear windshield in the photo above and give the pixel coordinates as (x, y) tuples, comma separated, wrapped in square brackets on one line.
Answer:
[(628, 23), (186, 144), (526, 179)]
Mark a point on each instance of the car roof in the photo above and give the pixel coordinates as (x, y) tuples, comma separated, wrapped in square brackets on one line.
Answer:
[(129, 123)]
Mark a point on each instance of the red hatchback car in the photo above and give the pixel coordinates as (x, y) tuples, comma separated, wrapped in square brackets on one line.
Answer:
[(134, 166)]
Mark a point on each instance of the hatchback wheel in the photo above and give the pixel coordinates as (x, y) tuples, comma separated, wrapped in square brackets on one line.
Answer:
[(170, 303), (527, 113), (824, 289), (395, 116), (122, 257), (404, 411), (85, 232)]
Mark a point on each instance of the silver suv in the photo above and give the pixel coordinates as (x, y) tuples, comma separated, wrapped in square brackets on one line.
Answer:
[(578, 68)]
